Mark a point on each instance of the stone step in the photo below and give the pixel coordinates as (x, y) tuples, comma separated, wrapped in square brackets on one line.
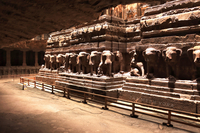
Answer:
[(161, 101), (162, 88), (182, 84), (94, 84), (156, 92)]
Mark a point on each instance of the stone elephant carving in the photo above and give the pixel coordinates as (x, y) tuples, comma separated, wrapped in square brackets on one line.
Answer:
[(94, 61), (60, 60), (105, 67), (118, 64), (172, 57), (73, 62), (66, 61), (151, 56), (194, 56), (53, 62), (137, 68), (47, 60), (83, 62)]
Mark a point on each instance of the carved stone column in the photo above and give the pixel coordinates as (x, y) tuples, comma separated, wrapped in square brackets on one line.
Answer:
[(36, 59), (24, 58), (8, 64)]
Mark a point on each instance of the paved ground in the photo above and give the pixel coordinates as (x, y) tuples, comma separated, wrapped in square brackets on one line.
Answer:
[(35, 111)]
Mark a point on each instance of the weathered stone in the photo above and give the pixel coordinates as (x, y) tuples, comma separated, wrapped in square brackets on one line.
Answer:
[(183, 105), (170, 6), (172, 39)]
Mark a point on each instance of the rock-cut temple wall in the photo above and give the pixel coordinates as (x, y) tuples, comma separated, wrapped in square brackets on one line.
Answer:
[(151, 57)]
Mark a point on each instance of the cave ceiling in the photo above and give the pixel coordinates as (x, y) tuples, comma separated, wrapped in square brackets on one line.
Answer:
[(24, 19)]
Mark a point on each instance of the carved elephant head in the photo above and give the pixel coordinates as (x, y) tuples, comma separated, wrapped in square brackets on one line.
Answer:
[(151, 55), (47, 57), (95, 58), (73, 58), (171, 54), (83, 58), (83, 62), (53, 61), (47, 60), (107, 57), (194, 55), (60, 58), (105, 67), (118, 62), (66, 60), (53, 58), (73, 62)]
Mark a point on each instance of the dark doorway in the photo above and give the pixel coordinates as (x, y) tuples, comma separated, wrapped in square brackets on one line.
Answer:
[(41, 58), (16, 58), (30, 58), (2, 57)]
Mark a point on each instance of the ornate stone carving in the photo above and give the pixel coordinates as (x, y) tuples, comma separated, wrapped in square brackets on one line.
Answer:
[(172, 57), (94, 61), (151, 56), (137, 68), (105, 67)]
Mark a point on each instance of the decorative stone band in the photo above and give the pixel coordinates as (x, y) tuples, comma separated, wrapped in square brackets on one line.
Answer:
[(171, 5)]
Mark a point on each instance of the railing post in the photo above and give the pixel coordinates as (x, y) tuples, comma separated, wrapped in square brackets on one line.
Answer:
[(20, 80), (133, 111), (42, 86), (28, 82), (105, 108), (84, 99), (52, 90), (34, 84), (68, 95), (64, 95), (168, 120)]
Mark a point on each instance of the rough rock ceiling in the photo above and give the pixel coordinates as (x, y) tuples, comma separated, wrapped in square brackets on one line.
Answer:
[(24, 19)]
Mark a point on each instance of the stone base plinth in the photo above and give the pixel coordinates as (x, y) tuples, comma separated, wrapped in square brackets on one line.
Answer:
[(176, 94), (100, 85)]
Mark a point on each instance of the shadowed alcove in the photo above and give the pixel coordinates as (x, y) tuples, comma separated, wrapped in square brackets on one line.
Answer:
[(2, 57), (16, 58), (41, 57), (30, 58)]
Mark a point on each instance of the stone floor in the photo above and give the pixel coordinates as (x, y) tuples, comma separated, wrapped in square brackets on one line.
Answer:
[(35, 111)]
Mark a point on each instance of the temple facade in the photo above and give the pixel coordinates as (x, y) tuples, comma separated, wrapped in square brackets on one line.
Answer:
[(148, 53)]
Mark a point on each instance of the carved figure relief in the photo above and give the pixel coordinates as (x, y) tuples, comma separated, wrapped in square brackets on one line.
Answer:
[(118, 64), (194, 56), (59, 60), (73, 62), (53, 62), (151, 56), (94, 61), (47, 60), (66, 61), (172, 57), (83, 62), (105, 67), (137, 68)]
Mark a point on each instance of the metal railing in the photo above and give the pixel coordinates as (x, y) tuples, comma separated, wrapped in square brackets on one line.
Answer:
[(191, 119)]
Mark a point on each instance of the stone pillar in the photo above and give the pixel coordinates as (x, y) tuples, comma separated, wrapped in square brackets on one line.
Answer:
[(8, 64), (36, 59), (24, 58)]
